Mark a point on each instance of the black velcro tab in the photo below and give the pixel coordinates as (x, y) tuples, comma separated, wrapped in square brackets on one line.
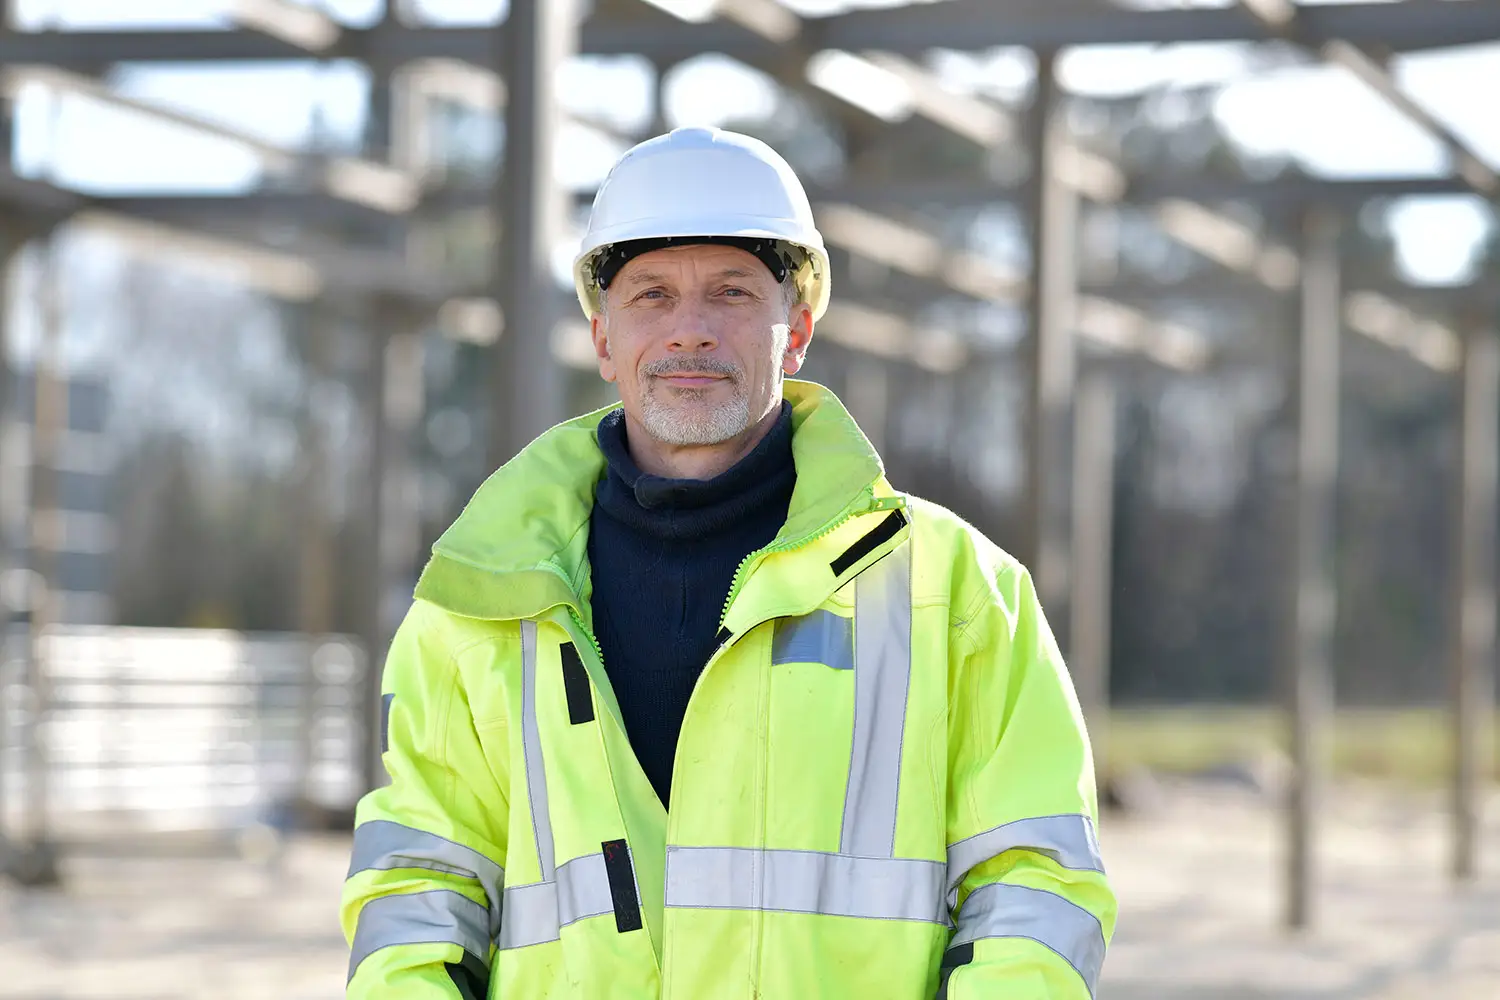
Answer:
[(385, 721), (621, 877), (952, 959), (878, 536), (576, 684)]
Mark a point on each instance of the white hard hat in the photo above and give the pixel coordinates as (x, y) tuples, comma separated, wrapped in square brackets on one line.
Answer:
[(704, 185)]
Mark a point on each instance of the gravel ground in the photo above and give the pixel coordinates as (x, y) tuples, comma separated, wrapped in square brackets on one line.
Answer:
[(1197, 872)]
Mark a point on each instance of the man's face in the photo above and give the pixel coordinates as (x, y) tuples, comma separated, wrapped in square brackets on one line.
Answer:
[(697, 339)]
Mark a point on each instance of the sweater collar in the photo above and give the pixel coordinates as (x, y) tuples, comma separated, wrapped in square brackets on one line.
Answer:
[(677, 508)]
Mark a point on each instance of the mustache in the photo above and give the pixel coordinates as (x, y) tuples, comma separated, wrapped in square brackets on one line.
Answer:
[(689, 363)]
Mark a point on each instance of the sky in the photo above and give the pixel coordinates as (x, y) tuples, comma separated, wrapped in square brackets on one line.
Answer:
[(1318, 117)]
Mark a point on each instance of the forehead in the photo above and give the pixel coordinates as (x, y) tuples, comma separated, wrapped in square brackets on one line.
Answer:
[(693, 260)]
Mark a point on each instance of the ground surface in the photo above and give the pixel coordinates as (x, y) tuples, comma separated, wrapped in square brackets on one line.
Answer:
[(1197, 874)]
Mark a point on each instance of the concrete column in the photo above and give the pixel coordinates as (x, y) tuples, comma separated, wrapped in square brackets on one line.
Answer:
[(1049, 348), (535, 40), (1309, 667), (1471, 619), (1093, 540)]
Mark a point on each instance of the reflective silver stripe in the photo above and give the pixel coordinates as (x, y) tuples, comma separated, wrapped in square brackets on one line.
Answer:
[(440, 916), (531, 744), (536, 913), (999, 910), (381, 845), (743, 878), (821, 637), (882, 670), (1069, 840)]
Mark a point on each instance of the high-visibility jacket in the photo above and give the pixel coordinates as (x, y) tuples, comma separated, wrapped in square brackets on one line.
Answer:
[(882, 788)]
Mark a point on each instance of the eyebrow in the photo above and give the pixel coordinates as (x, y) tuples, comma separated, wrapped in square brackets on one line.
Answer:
[(642, 278)]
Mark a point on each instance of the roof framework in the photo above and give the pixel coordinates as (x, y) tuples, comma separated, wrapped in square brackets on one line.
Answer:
[(357, 216)]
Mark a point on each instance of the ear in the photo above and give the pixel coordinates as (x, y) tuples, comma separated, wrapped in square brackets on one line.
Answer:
[(799, 336), (599, 333)]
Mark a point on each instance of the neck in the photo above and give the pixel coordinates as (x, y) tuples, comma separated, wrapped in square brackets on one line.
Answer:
[(695, 461)]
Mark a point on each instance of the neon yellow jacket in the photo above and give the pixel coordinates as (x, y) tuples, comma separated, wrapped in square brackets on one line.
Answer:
[(882, 789)]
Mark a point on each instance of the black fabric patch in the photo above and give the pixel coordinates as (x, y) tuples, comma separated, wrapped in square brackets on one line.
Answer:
[(385, 721), (878, 536), (952, 959), (470, 978), (622, 886), (724, 636), (576, 684)]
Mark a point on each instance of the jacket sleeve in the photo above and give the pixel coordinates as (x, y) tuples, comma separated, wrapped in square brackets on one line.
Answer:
[(421, 903), (1033, 910)]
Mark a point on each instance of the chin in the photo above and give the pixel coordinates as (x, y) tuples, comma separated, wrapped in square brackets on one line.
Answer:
[(695, 424)]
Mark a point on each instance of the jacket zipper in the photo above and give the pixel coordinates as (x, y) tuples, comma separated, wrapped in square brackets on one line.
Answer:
[(740, 573)]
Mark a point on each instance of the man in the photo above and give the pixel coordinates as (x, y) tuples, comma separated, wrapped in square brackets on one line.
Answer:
[(691, 703)]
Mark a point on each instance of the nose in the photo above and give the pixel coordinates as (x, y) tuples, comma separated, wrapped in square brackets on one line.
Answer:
[(692, 330)]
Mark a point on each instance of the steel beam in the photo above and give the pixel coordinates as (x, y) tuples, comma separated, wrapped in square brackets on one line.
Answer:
[(767, 18), (1291, 192), (11, 242), (1050, 351), (49, 421), (1472, 593), (1308, 664), (1221, 288), (915, 251), (868, 193), (974, 24), (305, 27), (539, 36), (374, 390), (883, 334), (868, 396), (967, 25), (316, 555), (1287, 20), (1467, 163), (365, 182)]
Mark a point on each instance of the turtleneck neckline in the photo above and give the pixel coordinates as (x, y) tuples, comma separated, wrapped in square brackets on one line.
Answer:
[(676, 509)]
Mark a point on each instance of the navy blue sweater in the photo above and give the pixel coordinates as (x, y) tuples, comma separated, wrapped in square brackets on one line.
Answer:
[(662, 554)]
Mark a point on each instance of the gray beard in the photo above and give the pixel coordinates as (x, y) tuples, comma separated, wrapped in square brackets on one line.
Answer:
[(691, 422)]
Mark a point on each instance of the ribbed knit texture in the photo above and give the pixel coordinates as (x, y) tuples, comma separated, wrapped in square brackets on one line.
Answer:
[(663, 553)]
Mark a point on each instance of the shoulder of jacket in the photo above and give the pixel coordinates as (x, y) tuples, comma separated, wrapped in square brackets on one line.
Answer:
[(450, 634), (956, 539), (978, 576)]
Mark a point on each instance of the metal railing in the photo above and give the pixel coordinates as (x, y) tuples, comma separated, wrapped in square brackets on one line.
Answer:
[(145, 731)]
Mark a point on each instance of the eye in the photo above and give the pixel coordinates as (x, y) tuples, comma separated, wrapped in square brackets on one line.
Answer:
[(652, 293), (734, 292)]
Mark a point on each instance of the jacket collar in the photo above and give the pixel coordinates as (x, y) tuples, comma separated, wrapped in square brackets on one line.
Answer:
[(520, 545)]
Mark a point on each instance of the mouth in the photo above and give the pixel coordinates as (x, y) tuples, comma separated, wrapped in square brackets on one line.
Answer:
[(690, 380)]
